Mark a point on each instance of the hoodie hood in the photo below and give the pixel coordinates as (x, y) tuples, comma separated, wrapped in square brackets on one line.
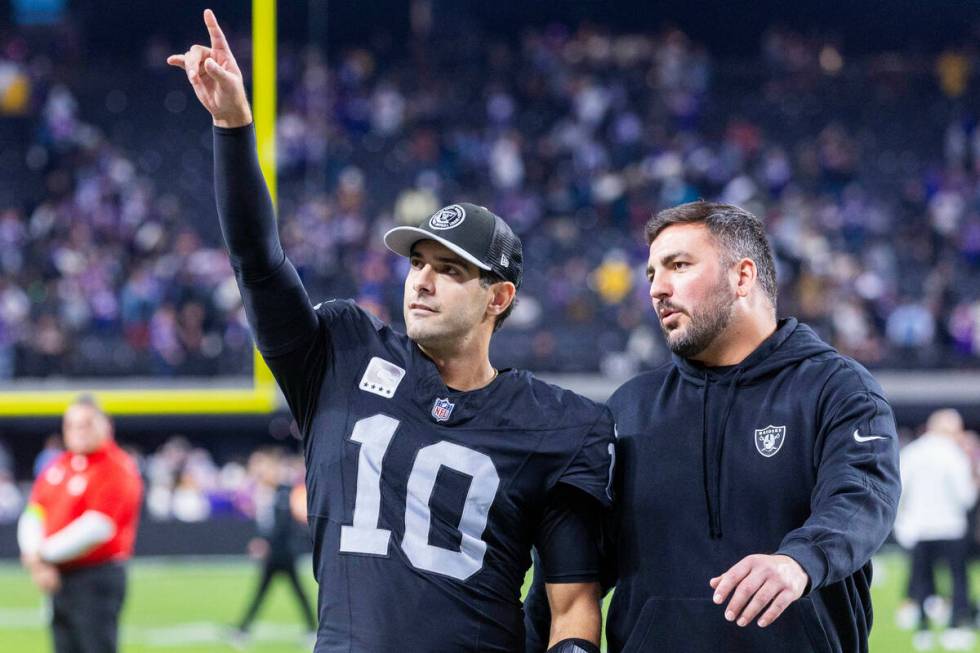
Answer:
[(791, 343)]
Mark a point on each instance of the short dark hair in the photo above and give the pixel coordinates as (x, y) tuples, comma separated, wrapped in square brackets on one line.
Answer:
[(738, 233), (487, 279)]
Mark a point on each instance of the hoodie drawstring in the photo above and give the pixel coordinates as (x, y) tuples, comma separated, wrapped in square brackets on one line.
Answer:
[(706, 457), (715, 488)]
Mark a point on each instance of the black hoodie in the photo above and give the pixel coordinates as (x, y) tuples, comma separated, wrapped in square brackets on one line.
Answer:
[(792, 451)]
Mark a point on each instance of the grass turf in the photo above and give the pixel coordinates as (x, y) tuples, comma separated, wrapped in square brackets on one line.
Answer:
[(187, 607)]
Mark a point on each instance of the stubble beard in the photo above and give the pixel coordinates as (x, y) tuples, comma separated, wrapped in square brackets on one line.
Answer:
[(705, 323)]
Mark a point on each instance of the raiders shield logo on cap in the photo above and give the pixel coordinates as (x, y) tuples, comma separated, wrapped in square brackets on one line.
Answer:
[(448, 217)]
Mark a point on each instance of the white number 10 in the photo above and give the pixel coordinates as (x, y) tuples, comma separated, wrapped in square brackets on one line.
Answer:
[(374, 434)]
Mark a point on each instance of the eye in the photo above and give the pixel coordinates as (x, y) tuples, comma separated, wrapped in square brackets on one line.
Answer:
[(680, 265), (417, 263)]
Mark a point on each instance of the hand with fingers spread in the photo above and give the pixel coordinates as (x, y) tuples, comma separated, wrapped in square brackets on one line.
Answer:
[(764, 584), (215, 77)]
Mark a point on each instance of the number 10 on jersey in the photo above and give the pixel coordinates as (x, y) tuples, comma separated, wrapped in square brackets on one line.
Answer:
[(374, 435)]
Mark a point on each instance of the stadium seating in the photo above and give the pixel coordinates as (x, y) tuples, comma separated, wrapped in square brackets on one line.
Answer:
[(863, 167)]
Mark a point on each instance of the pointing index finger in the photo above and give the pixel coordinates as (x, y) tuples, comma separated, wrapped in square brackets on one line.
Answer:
[(218, 40)]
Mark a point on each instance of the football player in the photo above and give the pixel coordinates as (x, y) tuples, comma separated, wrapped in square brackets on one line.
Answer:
[(430, 474)]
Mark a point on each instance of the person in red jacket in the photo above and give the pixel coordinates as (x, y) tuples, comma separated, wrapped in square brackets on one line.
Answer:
[(79, 528)]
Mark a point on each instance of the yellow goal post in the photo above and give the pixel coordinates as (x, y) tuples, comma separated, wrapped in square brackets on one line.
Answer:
[(190, 396)]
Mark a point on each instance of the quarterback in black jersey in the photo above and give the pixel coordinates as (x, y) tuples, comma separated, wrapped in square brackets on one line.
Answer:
[(430, 474)]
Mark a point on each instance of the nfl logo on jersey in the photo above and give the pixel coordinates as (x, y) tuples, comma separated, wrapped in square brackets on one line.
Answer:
[(442, 409)]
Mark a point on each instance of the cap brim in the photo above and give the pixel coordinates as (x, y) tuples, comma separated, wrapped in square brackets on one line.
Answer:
[(400, 241)]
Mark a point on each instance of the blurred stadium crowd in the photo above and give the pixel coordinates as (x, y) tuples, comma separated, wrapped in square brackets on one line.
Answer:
[(864, 169), (183, 482)]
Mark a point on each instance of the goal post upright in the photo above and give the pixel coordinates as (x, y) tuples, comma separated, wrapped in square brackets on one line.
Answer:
[(196, 396), (264, 114)]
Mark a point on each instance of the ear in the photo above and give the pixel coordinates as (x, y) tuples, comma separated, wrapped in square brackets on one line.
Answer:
[(746, 275), (501, 296)]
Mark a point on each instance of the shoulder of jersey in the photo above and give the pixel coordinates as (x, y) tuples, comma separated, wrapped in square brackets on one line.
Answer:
[(332, 308), (556, 406)]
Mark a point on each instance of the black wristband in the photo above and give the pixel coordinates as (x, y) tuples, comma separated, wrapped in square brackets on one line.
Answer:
[(574, 645)]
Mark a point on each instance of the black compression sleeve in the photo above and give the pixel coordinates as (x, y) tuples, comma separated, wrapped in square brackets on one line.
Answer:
[(283, 322), (276, 303), (248, 220), (568, 537)]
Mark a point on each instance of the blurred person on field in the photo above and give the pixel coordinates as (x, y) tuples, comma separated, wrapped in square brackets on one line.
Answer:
[(297, 496), (79, 528), (939, 492), (280, 535)]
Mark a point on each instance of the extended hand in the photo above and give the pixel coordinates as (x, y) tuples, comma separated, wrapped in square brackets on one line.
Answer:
[(215, 77), (759, 581)]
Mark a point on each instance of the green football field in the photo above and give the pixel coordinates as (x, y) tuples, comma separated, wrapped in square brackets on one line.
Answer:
[(186, 607)]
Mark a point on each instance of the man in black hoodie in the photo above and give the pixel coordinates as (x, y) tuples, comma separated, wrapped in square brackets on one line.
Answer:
[(758, 470)]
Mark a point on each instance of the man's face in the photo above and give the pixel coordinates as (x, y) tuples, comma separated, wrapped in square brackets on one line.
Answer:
[(444, 300), (85, 428), (690, 288)]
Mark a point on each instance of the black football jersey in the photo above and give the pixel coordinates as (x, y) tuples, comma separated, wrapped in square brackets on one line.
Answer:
[(424, 501)]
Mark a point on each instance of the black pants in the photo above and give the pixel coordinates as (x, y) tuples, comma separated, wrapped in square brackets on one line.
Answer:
[(85, 611), (925, 557), (271, 568)]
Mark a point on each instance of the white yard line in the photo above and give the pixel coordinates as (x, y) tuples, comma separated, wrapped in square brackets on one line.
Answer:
[(23, 618), (205, 632), (176, 635)]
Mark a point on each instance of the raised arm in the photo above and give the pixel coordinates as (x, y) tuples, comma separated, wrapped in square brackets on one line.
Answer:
[(283, 321)]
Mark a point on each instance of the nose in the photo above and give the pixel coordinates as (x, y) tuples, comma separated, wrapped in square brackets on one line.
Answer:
[(423, 281), (660, 288)]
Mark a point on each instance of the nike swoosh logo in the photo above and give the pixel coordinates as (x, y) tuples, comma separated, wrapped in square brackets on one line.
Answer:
[(866, 438)]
